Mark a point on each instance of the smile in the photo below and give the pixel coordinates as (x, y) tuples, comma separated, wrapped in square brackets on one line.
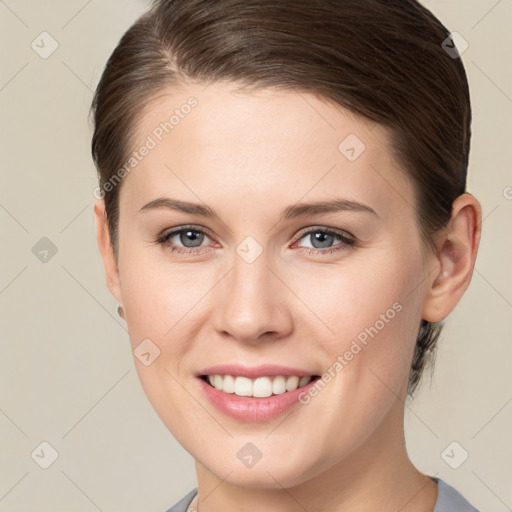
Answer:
[(260, 387), (255, 393)]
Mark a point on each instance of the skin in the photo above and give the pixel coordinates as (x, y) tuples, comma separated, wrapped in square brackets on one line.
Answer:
[(248, 157)]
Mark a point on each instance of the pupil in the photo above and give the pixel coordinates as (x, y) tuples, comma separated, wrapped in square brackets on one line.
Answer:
[(193, 237), (323, 238)]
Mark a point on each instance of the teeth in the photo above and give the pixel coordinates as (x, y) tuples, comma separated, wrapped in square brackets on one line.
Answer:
[(228, 385), (260, 387), (278, 385), (243, 386), (292, 383), (303, 381), (217, 382)]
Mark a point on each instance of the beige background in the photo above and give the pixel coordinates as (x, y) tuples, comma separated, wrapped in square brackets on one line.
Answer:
[(66, 372)]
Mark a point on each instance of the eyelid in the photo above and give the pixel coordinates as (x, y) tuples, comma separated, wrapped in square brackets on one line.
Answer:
[(325, 229), (167, 233)]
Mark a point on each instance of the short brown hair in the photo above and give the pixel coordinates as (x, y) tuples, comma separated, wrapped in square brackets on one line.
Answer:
[(381, 59)]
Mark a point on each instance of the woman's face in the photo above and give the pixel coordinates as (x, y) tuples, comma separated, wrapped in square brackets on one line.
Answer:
[(268, 283)]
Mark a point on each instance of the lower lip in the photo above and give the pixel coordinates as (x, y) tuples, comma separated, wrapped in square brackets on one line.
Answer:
[(252, 409)]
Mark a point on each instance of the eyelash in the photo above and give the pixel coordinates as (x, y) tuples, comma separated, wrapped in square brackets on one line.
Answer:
[(347, 241)]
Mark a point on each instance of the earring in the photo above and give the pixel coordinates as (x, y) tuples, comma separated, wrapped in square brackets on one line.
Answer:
[(120, 311)]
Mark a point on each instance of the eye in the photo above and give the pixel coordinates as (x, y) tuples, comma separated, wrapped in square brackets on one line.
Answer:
[(189, 240), (323, 238), (190, 237)]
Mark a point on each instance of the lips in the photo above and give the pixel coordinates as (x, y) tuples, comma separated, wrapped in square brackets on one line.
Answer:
[(254, 393)]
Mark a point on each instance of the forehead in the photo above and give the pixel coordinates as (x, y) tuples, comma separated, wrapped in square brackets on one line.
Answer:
[(279, 144)]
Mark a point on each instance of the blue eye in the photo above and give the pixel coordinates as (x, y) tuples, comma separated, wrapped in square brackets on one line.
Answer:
[(192, 239), (185, 236), (323, 238)]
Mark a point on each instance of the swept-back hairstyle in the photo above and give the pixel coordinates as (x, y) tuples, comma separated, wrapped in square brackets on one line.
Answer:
[(382, 59)]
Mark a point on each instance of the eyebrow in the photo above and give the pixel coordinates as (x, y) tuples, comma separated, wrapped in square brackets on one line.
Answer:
[(290, 212)]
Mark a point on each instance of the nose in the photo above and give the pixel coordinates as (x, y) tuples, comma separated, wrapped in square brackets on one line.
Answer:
[(252, 303)]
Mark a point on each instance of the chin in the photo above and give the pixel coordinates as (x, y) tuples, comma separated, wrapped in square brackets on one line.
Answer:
[(274, 472)]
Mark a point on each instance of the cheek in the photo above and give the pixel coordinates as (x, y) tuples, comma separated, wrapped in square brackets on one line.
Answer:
[(372, 313), (159, 297), (374, 317), (165, 303), (365, 292)]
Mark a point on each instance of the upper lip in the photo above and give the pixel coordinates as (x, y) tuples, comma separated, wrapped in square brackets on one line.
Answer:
[(264, 370)]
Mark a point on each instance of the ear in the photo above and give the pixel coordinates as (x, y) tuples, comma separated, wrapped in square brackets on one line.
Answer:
[(107, 253), (455, 257)]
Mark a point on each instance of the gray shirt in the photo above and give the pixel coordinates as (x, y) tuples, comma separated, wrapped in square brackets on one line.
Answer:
[(448, 500)]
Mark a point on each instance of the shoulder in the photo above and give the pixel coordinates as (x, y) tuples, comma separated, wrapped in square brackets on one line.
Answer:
[(183, 504), (450, 500)]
